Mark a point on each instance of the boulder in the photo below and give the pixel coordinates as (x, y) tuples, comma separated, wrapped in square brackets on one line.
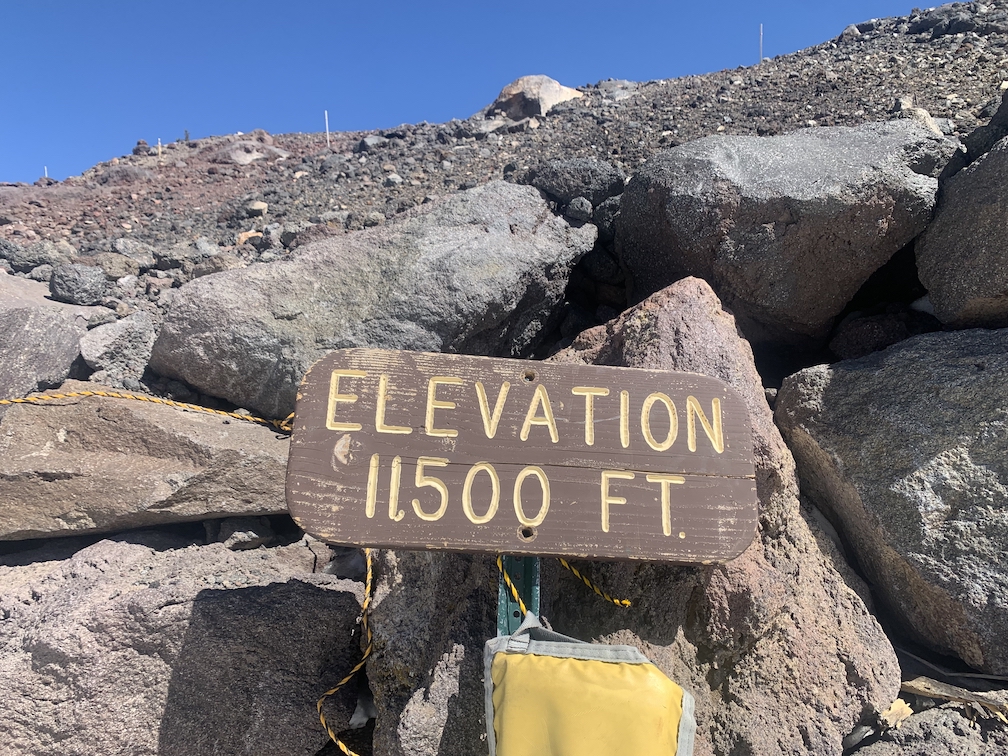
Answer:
[(942, 731), (94, 464), (961, 257), (78, 284), (142, 254), (155, 645), (531, 96), (907, 451), (860, 334), (116, 265), (565, 180), (480, 272), (44, 252), (780, 653), (243, 152), (979, 141), (433, 612), (118, 351), (786, 228), (39, 338)]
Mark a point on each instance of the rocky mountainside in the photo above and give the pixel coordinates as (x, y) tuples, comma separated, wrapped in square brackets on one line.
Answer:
[(824, 231)]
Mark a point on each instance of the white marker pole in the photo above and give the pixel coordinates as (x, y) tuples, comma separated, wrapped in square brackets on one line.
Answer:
[(761, 43), (45, 170), (327, 144)]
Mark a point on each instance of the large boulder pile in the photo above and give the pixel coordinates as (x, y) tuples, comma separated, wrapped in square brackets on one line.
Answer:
[(154, 595)]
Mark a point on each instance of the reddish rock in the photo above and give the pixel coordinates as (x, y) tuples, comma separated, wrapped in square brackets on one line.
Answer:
[(780, 653)]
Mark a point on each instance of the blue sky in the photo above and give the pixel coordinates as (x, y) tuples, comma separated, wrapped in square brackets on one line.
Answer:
[(81, 81)]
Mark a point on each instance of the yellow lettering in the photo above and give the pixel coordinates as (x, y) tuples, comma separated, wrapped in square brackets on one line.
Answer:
[(395, 514), (531, 418), (666, 498), (624, 418), (380, 425), (429, 481), (645, 421), (607, 499), (335, 397), (589, 393), (490, 421), (467, 506), (713, 429), (434, 403), (538, 473), (372, 487)]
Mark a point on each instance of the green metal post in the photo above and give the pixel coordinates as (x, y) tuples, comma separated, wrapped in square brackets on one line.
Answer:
[(524, 573)]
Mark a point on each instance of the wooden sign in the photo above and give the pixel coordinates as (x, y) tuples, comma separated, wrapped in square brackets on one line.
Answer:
[(441, 451)]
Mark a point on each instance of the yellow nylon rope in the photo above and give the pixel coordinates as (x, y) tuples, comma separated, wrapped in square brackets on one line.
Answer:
[(510, 585), (598, 591), (284, 426), (357, 667)]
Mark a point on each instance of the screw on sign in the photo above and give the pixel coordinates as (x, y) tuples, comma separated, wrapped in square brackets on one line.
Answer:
[(437, 451)]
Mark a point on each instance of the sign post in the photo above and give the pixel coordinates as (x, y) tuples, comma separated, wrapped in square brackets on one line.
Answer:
[(524, 573)]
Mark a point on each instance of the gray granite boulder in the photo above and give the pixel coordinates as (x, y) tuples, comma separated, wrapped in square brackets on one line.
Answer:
[(962, 258), (786, 228), (480, 272), (99, 464), (155, 645), (907, 451), (781, 655)]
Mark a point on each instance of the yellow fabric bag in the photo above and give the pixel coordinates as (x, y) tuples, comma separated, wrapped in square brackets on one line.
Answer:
[(550, 695)]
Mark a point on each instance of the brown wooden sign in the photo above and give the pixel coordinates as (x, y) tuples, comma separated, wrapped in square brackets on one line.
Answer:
[(442, 451)]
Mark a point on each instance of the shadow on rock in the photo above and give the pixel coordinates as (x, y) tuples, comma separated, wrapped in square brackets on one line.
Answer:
[(251, 667)]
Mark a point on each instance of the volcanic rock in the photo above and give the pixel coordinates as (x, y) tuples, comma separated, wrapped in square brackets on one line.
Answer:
[(941, 731), (565, 180), (39, 338), (978, 142), (786, 229), (23, 259), (119, 351), (154, 645), (531, 96), (962, 256), (142, 254), (100, 464), (481, 272), (781, 655), (77, 284), (907, 451)]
